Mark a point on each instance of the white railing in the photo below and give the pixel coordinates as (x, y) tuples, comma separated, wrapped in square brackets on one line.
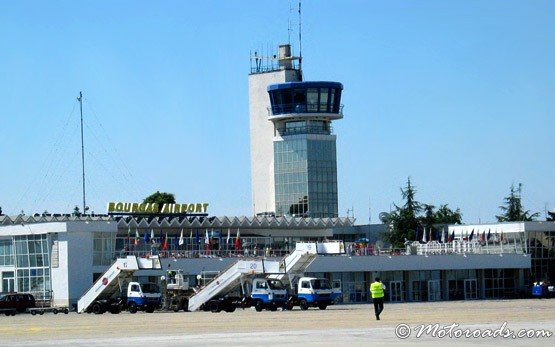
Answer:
[(466, 247)]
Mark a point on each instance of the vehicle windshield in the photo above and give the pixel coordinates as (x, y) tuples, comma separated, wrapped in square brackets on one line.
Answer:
[(150, 288), (320, 283), (275, 284)]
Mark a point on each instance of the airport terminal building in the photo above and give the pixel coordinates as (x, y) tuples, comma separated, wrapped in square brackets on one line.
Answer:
[(295, 198), (61, 256)]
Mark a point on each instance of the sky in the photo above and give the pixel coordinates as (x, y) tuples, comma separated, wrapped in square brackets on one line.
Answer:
[(456, 95)]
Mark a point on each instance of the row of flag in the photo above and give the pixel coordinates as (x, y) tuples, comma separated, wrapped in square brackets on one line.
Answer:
[(163, 239), (445, 238)]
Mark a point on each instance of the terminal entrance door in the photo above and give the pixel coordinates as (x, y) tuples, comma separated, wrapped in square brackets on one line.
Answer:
[(8, 282), (434, 290), (470, 289), (395, 291)]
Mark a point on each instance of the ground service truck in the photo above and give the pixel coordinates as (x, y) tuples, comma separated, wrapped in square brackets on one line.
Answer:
[(312, 292), (237, 285), (115, 291)]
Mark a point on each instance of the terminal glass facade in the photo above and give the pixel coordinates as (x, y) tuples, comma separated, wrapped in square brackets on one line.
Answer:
[(103, 248), (541, 246), (306, 177), (6, 252), (32, 264)]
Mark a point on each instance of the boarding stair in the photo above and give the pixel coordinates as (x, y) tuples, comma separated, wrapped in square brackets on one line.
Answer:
[(115, 278)]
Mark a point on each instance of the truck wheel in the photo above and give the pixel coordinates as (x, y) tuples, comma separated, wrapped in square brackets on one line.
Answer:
[(289, 306), (215, 307), (32, 312), (273, 308), (55, 311), (114, 310), (132, 307), (7, 313), (322, 306), (66, 310), (149, 309), (41, 313), (97, 309), (303, 304), (259, 306), (230, 309)]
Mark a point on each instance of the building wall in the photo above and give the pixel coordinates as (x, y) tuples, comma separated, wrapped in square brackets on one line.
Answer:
[(261, 137), (306, 175), (59, 269)]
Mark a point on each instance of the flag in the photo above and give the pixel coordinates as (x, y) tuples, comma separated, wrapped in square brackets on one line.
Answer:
[(431, 233), (181, 241), (147, 238), (197, 238), (489, 234), (502, 238), (206, 238), (471, 235), (424, 237), (443, 235), (228, 236), (452, 237), (152, 236), (238, 240), (137, 237), (483, 237), (165, 243)]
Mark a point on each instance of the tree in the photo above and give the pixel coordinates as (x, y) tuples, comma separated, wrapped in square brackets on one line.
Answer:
[(513, 211), (160, 198), (1, 211), (444, 215), (550, 215), (76, 211), (404, 220)]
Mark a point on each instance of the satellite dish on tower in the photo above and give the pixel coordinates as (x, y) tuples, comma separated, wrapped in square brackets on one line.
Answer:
[(384, 217)]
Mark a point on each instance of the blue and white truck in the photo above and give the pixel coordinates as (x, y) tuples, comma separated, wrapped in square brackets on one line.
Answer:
[(312, 292), (115, 290), (267, 294)]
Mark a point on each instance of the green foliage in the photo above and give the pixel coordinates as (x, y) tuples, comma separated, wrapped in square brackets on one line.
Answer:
[(405, 221), (444, 215), (160, 198), (550, 216), (513, 210)]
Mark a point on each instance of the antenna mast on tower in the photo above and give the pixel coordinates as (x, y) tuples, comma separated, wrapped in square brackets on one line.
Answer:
[(300, 41), (80, 99)]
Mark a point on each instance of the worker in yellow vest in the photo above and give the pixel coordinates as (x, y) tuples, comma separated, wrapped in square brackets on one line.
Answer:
[(377, 289)]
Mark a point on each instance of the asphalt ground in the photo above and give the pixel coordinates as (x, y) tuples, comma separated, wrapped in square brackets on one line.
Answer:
[(435, 323)]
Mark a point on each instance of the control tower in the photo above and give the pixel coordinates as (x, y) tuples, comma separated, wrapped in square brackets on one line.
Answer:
[(305, 161), (279, 68)]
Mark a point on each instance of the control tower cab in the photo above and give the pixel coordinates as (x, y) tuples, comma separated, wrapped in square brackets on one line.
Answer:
[(305, 163)]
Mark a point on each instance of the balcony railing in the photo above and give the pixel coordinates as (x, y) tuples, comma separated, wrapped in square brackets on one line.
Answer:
[(303, 108), (305, 130)]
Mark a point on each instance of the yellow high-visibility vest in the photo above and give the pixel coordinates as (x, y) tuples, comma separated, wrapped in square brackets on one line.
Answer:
[(376, 290)]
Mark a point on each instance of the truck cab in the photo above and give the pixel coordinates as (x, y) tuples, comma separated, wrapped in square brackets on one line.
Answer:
[(144, 296), (313, 292), (268, 293)]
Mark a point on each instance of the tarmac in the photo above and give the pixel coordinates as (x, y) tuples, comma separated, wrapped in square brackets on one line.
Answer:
[(483, 323)]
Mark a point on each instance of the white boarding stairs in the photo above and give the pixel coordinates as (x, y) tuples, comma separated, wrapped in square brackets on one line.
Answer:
[(304, 254), (114, 278), (229, 279)]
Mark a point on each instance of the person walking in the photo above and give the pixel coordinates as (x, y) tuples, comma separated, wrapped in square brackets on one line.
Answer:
[(377, 289)]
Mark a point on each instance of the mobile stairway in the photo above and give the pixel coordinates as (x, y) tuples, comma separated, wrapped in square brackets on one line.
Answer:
[(229, 279), (295, 264), (115, 278), (236, 274)]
